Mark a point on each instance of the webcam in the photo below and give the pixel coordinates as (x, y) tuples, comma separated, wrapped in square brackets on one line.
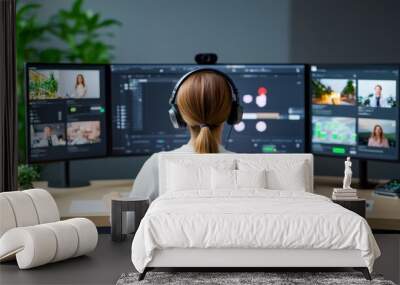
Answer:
[(206, 58)]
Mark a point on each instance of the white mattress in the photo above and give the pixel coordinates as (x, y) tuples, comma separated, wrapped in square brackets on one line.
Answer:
[(252, 219)]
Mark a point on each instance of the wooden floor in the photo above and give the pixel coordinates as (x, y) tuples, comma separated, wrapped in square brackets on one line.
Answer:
[(103, 266)]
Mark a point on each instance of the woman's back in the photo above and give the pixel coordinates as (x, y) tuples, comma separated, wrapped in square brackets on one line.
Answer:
[(202, 100)]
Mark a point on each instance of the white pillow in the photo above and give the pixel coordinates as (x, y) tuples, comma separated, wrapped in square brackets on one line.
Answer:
[(293, 180), (281, 174), (251, 178), (188, 175), (225, 179)]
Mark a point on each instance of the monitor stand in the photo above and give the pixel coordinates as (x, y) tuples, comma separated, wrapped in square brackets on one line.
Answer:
[(67, 182), (363, 182)]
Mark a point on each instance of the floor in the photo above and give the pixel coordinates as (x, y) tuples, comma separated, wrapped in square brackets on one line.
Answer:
[(103, 266), (111, 259)]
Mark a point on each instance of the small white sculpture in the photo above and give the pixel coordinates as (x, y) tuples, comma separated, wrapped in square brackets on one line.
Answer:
[(347, 174)]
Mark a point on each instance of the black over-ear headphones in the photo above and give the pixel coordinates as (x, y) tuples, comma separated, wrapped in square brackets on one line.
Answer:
[(235, 115)]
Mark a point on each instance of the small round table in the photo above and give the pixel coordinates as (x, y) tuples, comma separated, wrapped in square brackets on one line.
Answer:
[(139, 205)]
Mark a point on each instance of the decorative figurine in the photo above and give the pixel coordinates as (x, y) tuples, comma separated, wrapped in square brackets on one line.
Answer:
[(347, 174), (346, 192)]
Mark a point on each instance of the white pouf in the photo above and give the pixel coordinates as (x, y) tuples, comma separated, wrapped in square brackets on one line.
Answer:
[(31, 230)]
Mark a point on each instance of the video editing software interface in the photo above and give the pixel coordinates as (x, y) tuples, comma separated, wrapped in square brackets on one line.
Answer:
[(355, 110), (272, 97), (66, 112)]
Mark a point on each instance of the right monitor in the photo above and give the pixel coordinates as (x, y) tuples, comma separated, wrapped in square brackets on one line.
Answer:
[(355, 110)]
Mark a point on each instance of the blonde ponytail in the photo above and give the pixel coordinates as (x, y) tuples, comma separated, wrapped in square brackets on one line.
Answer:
[(204, 101), (206, 141)]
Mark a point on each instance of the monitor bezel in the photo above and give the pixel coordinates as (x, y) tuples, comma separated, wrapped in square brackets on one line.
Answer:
[(309, 95), (66, 66), (307, 145)]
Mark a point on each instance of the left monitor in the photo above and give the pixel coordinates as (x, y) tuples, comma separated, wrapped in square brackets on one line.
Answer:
[(66, 111)]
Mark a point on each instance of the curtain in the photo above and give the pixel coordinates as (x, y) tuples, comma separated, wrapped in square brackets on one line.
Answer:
[(8, 98)]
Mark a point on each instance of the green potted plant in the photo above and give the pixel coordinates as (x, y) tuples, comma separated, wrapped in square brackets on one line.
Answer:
[(84, 34), (83, 38), (26, 175)]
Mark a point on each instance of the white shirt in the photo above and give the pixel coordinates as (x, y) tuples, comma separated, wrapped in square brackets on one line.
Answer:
[(382, 102), (80, 91)]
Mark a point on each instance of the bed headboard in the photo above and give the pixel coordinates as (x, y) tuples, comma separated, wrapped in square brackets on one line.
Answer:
[(285, 170)]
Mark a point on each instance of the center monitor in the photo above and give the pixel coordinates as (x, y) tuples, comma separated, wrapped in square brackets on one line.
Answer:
[(272, 97), (355, 110)]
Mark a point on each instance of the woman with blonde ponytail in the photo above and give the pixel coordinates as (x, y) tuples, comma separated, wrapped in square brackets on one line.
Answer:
[(204, 100)]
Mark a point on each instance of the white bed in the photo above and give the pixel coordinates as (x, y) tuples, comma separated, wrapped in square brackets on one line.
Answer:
[(241, 210)]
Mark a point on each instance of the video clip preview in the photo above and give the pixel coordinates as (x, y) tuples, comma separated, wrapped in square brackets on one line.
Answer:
[(272, 97), (355, 111), (66, 112)]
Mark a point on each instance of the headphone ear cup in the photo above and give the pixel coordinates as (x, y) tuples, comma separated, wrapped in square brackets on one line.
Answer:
[(236, 114), (239, 115), (176, 118)]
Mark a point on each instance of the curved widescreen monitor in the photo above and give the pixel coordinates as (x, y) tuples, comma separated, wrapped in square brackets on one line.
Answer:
[(66, 111), (273, 98), (355, 110)]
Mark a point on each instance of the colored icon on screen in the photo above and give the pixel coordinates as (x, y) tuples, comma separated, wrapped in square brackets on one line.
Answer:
[(240, 127)]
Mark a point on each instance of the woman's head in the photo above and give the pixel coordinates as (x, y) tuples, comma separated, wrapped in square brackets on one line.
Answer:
[(80, 80), (204, 101), (377, 133)]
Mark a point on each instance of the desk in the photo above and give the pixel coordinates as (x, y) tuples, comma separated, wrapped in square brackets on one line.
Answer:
[(383, 213), (94, 201)]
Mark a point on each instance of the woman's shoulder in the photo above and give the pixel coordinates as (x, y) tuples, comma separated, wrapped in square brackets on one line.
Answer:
[(153, 159)]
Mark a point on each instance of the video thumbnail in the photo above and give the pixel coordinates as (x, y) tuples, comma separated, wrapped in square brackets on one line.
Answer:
[(63, 84), (377, 132), (377, 93), (334, 130), (47, 135), (84, 132), (334, 91)]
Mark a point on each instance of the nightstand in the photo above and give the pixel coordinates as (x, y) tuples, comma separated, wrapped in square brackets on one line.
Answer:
[(120, 205), (357, 206)]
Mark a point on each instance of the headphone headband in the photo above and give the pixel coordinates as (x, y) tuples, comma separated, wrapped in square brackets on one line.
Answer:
[(178, 85), (235, 115)]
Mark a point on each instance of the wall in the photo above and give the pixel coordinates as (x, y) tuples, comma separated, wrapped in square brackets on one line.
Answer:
[(343, 31), (174, 31), (157, 31)]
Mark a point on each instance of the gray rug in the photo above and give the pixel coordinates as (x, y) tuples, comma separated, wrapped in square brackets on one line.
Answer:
[(236, 278)]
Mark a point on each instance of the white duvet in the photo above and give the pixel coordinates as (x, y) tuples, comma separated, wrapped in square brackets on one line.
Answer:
[(250, 219)]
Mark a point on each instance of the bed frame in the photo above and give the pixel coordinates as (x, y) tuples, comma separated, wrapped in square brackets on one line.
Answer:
[(260, 259)]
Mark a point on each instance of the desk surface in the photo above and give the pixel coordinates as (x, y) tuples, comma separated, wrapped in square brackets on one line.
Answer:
[(94, 201), (383, 213)]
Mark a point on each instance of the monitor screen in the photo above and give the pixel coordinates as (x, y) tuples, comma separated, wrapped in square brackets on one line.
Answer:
[(66, 112), (355, 110), (272, 97)]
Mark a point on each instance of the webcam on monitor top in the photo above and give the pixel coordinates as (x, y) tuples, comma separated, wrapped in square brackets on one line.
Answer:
[(206, 58)]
